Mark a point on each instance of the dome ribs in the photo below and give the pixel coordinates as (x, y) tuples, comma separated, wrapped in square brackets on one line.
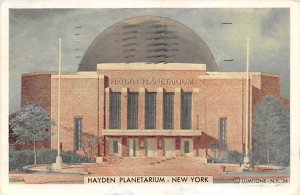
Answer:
[(162, 32), (163, 50), (159, 56), (148, 39), (130, 32), (162, 44), (128, 38), (158, 26), (129, 44), (129, 26), (165, 46), (162, 37), (129, 56), (129, 50)]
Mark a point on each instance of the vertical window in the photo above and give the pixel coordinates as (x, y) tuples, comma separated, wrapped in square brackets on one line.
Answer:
[(115, 148), (186, 147), (78, 133), (132, 110), (186, 110), (168, 116), (222, 132), (150, 111), (115, 110)]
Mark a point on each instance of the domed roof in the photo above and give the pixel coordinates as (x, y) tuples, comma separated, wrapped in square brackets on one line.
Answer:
[(149, 39)]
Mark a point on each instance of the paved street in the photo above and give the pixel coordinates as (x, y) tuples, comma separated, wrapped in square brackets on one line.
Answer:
[(137, 167)]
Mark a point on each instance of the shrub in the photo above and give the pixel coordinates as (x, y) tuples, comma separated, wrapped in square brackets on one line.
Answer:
[(46, 156), (230, 157), (72, 158), (20, 158)]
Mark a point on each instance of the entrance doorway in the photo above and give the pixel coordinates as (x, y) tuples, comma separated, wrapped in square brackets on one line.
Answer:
[(186, 147), (115, 147), (133, 147), (151, 147), (169, 147)]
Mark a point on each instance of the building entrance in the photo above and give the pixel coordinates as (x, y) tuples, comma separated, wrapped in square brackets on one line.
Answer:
[(151, 147), (186, 146), (114, 147), (133, 147), (169, 147)]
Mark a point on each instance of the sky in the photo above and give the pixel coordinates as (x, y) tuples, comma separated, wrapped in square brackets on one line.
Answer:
[(34, 34)]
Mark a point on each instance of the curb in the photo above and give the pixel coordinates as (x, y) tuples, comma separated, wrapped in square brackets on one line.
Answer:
[(33, 169)]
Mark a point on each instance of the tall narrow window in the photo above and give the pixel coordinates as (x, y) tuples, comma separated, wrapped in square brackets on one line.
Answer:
[(78, 133), (132, 110), (150, 111), (168, 110), (222, 132), (115, 110), (186, 110)]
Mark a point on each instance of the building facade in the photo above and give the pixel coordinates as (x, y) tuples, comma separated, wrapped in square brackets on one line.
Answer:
[(153, 110), (150, 86)]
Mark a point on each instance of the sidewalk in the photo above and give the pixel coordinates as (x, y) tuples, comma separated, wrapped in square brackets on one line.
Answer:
[(183, 166)]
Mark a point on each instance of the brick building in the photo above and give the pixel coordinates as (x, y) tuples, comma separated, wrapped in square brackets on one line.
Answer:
[(150, 107)]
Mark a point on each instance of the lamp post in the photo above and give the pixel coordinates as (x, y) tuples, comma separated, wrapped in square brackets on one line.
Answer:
[(58, 164)]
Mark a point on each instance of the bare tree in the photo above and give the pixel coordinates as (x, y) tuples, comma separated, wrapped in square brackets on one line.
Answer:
[(90, 144), (31, 124)]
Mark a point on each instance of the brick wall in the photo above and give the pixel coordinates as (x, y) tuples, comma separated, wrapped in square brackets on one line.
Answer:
[(212, 98), (37, 88), (79, 98), (270, 86), (222, 98)]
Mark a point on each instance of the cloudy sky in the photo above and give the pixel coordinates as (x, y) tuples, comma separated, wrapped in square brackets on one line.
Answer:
[(34, 38)]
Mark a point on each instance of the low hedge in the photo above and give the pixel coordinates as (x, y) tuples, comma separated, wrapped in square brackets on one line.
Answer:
[(232, 157), (20, 158)]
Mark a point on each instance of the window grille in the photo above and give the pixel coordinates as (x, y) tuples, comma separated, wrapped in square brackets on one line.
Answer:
[(132, 110), (168, 115), (222, 132), (186, 111), (150, 111), (186, 147), (115, 110), (78, 133)]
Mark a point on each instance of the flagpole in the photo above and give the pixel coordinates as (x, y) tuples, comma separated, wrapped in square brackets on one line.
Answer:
[(246, 157), (58, 102), (58, 164)]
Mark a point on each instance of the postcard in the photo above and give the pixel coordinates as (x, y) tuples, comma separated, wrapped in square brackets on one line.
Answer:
[(117, 97)]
